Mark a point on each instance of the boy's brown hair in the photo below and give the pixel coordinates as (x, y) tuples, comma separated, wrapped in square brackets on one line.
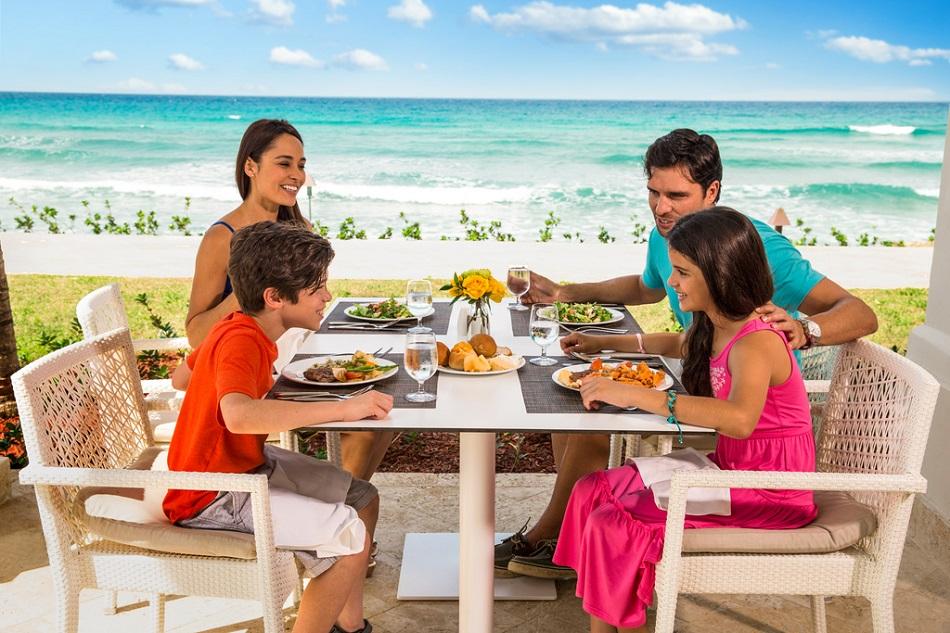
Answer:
[(279, 255)]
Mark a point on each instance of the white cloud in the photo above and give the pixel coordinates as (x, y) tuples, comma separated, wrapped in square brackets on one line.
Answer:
[(136, 84), (881, 52), (336, 4), (422, 67), (102, 57), (277, 12), (299, 57), (180, 61), (360, 59), (673, 31), (415, 12)]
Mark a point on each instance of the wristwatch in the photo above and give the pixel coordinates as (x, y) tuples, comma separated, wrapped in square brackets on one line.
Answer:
[(812, 333)]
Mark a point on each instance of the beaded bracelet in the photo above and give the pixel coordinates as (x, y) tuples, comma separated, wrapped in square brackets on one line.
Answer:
[(670, 404)]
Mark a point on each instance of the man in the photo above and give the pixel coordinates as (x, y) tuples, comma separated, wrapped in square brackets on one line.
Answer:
[(684, 172)]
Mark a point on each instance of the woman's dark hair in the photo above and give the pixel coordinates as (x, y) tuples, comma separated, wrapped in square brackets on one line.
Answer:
[(258, 138), (698, 153), (727, 249)]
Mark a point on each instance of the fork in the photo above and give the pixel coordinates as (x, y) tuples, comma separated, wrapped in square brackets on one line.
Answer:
[(594, 328), (321, 395), (349, 325)]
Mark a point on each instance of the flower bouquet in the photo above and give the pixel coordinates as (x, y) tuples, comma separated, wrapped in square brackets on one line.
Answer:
[(477, 287)]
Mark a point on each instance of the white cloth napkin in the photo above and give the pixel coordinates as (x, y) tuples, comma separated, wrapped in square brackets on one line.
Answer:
[(656, 473), (330, 529)]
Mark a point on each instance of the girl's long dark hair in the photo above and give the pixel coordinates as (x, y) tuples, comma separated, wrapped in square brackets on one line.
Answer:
[(727, 249), (258, 138)]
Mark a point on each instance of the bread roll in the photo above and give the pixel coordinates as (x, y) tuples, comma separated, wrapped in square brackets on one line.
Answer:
[(463, 347), (484, 344), (457, 359), (442, 351), (499, 363), (476, 363)]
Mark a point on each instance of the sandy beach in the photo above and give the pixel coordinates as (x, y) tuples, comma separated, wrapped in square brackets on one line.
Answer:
[(145, 256)]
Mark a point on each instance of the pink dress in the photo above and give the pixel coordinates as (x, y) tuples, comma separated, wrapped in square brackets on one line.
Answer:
[(612, 533)]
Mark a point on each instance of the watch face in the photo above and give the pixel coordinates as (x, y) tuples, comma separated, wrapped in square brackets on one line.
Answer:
[(814, 330)]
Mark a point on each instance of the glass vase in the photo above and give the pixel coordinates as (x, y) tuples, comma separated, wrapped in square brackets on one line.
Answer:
[(474, 319)]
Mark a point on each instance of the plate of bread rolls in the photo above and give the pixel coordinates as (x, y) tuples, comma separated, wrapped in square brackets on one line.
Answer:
[(478, 356)]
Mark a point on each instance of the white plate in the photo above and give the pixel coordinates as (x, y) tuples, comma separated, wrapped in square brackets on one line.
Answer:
[(615, 316), (348, 312), (666, 384), (496, 372), (294, 371)]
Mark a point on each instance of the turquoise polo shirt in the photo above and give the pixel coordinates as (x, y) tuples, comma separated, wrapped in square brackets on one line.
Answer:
[(792, 275)]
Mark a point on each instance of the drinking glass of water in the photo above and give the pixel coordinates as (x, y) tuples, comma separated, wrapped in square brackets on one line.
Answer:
[(420, 361), (419, 302), (519, 282), (543, 327)]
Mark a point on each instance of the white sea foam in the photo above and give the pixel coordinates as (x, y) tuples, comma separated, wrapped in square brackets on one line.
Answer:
[(425, 195), (225, 193), (234, 117), (884, 130), (927, 192)]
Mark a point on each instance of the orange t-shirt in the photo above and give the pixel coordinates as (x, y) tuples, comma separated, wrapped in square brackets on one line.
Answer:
[(237, 357)]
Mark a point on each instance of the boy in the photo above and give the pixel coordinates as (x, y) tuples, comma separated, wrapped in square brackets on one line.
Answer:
[(279, 275)]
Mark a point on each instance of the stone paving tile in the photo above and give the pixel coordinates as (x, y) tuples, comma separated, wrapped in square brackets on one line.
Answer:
[(412, 503)]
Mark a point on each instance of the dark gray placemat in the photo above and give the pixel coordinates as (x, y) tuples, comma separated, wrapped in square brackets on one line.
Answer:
[(519, 323), (439, 321), (541, 395), (397, 386)]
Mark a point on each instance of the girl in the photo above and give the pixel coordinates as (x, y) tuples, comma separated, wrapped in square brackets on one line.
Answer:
[(744, 383), (269, 171)]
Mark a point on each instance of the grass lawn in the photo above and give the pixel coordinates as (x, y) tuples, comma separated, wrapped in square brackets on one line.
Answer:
[(44, 307)]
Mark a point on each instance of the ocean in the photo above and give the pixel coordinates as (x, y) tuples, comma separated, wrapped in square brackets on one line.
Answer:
[(869, 168)]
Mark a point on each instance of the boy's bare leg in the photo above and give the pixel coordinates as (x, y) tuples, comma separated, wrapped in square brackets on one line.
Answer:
[(599, 626), (363, 451), (336, 596), (582, 454)]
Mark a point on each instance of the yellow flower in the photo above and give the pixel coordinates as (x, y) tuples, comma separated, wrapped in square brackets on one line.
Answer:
[(497, 290), (475, 286)]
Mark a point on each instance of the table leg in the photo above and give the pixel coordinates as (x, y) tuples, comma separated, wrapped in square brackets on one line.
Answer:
[(664, 444), (476, 531)]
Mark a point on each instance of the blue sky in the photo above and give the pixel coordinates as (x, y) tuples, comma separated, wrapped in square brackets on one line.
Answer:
[(715, 50)]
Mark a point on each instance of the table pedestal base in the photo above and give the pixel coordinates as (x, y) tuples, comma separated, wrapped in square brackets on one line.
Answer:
[(430, 571)]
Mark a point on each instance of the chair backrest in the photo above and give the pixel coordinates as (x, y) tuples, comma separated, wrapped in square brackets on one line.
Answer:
[(818, 363), (82, 406), (101, 311), (876, 419)]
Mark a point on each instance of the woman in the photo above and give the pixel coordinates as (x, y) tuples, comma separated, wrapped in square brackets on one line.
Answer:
[(744, 383), (269, 171)]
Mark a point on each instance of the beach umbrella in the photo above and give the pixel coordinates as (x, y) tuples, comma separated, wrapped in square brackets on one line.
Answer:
[(308, 182), (778, 219)]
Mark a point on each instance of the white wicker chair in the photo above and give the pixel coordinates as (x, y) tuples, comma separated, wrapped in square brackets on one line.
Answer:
[(84, 419), (103, 310), (874, 431)]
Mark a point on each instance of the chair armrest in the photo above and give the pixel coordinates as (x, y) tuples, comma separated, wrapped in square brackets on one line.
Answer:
[(904, 482), (817, 386), (122, 478), (176, 343)]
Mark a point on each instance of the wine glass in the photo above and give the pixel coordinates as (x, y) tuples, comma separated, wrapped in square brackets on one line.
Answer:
[(419, 302), (543, 328), (519, 282), (420, 361)]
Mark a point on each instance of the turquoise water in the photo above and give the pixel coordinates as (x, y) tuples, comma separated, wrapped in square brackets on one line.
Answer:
[(861, 167)]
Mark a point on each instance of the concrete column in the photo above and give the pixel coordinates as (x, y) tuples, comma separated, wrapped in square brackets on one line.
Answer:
[(929, 347)]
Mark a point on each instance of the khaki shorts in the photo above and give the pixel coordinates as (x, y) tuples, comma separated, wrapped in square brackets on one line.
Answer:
[(297, 473)]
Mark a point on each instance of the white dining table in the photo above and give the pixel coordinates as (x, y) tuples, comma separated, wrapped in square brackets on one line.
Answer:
[(476, 407)]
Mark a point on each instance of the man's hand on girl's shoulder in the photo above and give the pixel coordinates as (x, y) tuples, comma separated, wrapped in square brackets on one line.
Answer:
[(372, 404)]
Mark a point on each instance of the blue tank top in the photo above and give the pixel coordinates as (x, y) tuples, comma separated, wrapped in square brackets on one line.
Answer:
[(227, 280)]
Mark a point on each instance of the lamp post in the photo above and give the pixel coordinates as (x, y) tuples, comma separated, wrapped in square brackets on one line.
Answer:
[(308, 182), (778, 219)]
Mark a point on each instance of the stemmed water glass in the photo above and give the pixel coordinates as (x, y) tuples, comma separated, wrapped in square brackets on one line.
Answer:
[(543, 327), (419, 302), (519, 282), (420, 361)]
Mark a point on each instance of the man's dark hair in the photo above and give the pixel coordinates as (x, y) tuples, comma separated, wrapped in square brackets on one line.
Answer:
[(277, 255), (697, 153)]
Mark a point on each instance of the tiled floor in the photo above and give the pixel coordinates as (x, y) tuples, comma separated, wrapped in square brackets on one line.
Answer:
[(420, 503)]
